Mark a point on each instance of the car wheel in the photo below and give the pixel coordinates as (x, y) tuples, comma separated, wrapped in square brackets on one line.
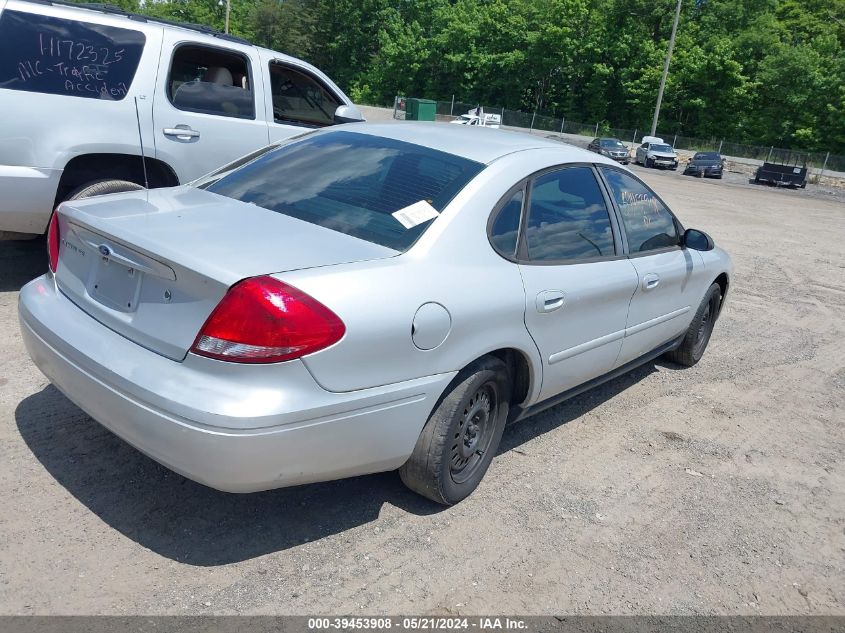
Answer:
[(649, 162), (462, 434), (101, 187), (698, 335)]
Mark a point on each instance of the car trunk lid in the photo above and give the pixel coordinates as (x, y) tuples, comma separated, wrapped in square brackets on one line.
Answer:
[(152, 265)]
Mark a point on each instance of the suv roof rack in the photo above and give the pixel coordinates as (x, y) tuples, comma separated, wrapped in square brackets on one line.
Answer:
[(115, 10)]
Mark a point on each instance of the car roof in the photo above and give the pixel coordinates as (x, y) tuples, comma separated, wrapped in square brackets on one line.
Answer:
[(481, 144)]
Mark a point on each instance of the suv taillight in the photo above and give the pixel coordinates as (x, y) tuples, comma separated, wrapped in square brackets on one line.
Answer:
[(53, 239), (262, 320)]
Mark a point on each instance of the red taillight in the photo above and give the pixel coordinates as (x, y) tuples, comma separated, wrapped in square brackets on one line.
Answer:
[(262, 320), (53, 242)]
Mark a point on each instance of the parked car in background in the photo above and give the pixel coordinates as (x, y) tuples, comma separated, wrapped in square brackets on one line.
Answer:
[(364, 298), (655, 153), (479, 120), (612, 148), (84, 88), (705, 164)]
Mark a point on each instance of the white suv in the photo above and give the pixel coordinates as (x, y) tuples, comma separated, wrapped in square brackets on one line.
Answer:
[(86, 92)]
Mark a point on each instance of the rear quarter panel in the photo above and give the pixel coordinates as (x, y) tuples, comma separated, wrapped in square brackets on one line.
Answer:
[(452, 264)]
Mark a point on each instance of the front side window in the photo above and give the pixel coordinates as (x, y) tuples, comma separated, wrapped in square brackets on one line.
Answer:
[(377, 189), (40, 53), (211, 81), (299, 98), (649, 225), (567, 217)]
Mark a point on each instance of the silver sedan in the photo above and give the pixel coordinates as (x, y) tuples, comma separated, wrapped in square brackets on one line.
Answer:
[(364, 298)]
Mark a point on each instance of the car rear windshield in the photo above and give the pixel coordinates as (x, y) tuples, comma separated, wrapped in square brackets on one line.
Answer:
[(377, 189), (707, 156)]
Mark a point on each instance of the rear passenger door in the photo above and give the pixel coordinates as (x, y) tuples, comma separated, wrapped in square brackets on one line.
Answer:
[(208, 106), (577, 283), (667, 289)]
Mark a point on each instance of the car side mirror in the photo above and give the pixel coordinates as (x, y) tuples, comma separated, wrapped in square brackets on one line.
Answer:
[(348, 114), (698, 240)]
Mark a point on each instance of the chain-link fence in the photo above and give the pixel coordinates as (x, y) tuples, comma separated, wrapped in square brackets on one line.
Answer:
[(539, 123)]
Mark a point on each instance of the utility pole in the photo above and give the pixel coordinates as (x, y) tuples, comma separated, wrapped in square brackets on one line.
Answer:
[(229, 7), (666, 68)]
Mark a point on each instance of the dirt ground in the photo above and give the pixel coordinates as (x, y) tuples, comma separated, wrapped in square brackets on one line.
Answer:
[(718, 489)]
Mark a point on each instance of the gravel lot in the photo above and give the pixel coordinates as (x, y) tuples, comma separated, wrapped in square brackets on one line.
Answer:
[(717, 489)]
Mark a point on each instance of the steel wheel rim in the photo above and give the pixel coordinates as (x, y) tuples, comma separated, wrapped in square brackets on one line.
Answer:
[(474, 433)]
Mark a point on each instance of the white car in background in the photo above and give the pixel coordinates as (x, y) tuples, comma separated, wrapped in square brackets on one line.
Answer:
[(654, 152), (480, 120), (87, 91)]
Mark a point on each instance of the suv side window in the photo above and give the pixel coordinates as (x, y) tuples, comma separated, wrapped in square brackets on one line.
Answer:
[(300, 98), (649, 225), (211, 81), (567, 217), (40, 53)]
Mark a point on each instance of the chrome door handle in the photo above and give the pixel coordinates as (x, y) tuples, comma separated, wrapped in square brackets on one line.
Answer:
[(181, 132), (549, 300), (650, 281)]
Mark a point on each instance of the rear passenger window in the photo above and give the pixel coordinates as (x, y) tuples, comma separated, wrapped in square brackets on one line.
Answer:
[(40, 53), (649, 225), (299, 98), (211, 81), (567, 217), (505, 229)]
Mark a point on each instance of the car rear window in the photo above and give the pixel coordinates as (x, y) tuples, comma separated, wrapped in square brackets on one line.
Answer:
[(40, 53), (377, 189)]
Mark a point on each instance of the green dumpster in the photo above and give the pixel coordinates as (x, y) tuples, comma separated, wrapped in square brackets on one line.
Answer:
[(420, 110)]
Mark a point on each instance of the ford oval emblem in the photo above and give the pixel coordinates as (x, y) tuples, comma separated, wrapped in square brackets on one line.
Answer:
[(105, 251)]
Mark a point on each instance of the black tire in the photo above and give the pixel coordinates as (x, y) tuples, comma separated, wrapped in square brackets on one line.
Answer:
[(698, 335), (461, 436), (101, 187), (649, 163)]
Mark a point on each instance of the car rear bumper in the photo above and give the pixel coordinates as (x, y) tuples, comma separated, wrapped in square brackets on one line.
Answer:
[(27, 196), (237, 428)]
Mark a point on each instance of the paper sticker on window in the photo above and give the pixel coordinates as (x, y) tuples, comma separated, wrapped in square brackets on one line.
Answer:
[(415, 214)]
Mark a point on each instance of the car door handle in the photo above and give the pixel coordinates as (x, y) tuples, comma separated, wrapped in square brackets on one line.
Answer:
[(181, 132), (650, 281), (549, 300)]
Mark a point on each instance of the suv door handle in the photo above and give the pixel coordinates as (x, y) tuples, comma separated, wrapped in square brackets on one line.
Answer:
[(650, 281), (549, 300), (182, 132)]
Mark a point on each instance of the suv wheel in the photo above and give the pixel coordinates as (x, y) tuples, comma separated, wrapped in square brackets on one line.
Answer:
[(101, 187)]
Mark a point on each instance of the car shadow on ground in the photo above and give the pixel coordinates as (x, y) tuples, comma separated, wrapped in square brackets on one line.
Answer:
[(20, 262), (193, 524)]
